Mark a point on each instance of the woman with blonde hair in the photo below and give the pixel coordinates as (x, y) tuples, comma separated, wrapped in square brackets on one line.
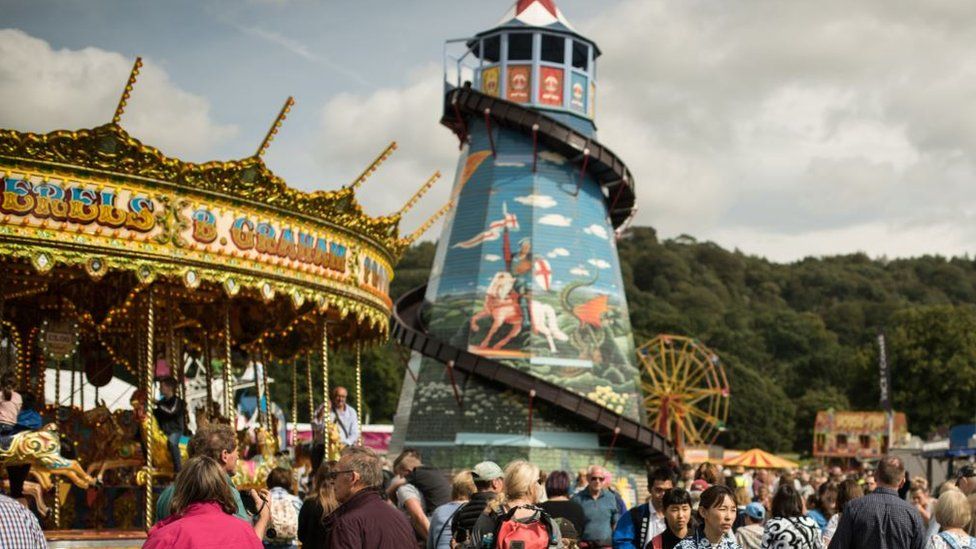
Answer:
[(202, 512), (519, 501), (462, 486), (953, 514), (319, 504)]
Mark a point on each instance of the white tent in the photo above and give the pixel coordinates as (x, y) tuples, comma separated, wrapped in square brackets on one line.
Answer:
[(116, 394)]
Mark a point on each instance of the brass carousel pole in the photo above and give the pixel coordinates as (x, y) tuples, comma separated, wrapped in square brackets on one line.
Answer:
[(57, 417), (359, 391), (325, 387), (308, 383), (293, 439), (267, 399), (208, 373), (147, 381), (228, 390)]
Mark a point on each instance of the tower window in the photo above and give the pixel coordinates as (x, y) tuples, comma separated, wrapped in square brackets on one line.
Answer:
[(491, 49), (519, 46), (581, 55), (553, 48)]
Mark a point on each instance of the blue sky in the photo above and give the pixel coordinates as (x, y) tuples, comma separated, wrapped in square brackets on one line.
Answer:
[(781, 128)]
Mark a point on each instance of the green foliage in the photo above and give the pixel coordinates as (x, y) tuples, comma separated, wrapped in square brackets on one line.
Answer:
[(935, 348)]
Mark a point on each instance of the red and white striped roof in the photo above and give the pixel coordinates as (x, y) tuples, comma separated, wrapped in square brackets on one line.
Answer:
[(536, 13)]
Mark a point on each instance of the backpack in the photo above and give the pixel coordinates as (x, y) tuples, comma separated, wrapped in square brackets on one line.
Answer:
[(515, 534), (954, 544), (284, 520), (433, 485)]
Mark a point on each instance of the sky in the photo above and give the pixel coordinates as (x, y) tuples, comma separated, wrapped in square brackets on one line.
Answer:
[(780, 128)]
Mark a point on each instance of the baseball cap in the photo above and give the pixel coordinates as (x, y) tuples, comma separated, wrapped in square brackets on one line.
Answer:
[(487, 470), (699, 485), (967, 471), (756, 511)]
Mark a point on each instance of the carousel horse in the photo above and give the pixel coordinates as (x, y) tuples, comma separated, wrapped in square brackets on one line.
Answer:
[(114, 446), (35, 491), (252, 473), (42, 449)]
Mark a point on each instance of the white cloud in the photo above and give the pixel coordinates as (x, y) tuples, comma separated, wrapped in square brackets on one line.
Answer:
[(492, 257), (558, 252), (42, 89), (841, 119), (355, 128), (579, 271), (537, 201), (556, 220), (599, 263), (598, 231)]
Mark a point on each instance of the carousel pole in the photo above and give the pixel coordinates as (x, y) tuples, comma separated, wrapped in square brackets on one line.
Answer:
[(208, 373), (308, 383), (359, 390), (147, 382), (57, 418), (81, 382), (228, 390), (257, 387), (267, 398), (293, 439), (325, 386)]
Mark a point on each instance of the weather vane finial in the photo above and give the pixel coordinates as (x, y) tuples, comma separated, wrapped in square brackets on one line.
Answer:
[(128, 90), (277, 124)]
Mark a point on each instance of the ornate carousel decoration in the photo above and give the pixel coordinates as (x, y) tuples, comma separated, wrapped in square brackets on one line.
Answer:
[(118, 261)]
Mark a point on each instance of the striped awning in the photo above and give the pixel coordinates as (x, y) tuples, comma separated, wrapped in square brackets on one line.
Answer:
[(759, 459)]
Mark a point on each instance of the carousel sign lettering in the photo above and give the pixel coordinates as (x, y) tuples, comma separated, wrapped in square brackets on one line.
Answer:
[(76, 203), (266, 238)]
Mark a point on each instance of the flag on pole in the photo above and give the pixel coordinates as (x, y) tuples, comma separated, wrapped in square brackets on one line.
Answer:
[(508, 222)]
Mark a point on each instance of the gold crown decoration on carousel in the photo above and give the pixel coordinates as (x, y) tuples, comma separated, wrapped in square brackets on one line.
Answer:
[(101, 199)]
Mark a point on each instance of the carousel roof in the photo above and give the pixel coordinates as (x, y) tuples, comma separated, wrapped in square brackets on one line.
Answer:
[(101, 200)]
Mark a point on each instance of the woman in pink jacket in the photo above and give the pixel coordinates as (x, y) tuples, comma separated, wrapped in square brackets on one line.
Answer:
[(203, 510)]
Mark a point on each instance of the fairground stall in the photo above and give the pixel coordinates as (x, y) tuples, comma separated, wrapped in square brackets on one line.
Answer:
[(118, 262)]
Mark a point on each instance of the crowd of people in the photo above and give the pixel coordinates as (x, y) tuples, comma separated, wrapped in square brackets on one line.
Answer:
[(362, 500)]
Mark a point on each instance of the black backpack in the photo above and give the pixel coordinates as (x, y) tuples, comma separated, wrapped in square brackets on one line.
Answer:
[(433, 485)]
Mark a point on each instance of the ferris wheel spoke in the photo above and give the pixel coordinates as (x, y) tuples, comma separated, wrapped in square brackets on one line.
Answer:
[(696, 378), (705, 417), (680, 365), (696, 395), (691, 430), (658, 375)]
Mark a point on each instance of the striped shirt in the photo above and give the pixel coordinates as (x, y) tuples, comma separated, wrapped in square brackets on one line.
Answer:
[(19, 528), (879, 520)]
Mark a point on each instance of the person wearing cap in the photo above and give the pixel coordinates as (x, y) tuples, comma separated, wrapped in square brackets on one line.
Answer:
[(600, 507), (966, 479), (647, 521), (488, 482), (750, 535)]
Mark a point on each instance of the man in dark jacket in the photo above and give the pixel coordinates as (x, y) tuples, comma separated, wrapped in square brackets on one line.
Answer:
[(489, 481), (363, 519)]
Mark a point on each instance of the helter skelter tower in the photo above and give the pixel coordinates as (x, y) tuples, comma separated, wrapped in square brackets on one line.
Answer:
[(521, 338)]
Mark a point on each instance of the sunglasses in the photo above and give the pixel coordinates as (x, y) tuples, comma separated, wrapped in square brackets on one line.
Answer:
[(596, 478), (335, 474)]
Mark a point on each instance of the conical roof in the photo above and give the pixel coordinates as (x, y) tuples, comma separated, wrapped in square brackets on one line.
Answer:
[(536, 13)]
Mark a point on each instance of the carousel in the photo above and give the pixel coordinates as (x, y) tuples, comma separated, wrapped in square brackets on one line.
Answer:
[(122, 264)]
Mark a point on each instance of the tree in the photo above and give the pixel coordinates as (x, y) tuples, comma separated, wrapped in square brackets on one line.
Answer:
[(932, 353)]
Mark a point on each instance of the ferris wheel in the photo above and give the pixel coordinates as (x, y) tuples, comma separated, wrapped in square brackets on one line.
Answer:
[(686, 392)]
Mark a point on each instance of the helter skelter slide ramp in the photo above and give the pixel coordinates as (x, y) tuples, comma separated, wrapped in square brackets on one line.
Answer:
[(522, 340)]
